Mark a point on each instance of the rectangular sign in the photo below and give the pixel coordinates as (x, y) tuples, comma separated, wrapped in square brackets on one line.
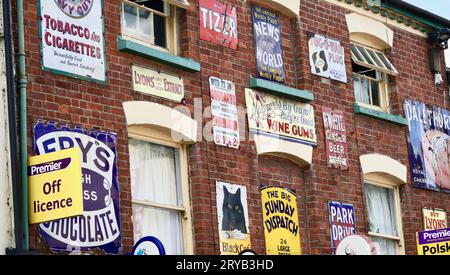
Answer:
[(232, 213), (54, 185), (434, 219), (224, 112), (428, 144), (335, 138), (327, 58), (152, 82), (99, 227), (342, 222), (218, 23), (280, 118), (268, 49), (73, 39), (280, 221), (434, 242)]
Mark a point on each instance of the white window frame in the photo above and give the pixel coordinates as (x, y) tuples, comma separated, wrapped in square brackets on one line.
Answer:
[(383, 91), (398, 216), (153, 136), (170, 14)]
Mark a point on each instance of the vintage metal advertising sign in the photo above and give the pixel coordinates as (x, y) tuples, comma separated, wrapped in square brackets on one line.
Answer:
[(434, 219), (335, 138), (268, 50), (224, 112), (72, 38), (152, 82), (280, 221), (232, 213), (342, 222), (54, 184), (433, 242), (218, 23), (429, 145), (327, 58), (99, 227), (280, 118)]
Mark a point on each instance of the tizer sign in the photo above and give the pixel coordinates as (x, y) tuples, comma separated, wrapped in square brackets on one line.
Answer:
[(55, 186), (433, 242)]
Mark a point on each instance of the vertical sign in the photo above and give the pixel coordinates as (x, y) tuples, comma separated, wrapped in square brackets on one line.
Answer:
[(224, 112), (342, 222), (429, 144), (72, 38), (335, 138), (268, 50), (280, 221), (434, 242), (54, 184), (232, 213), (327, 58), (434, 219), (218, 23), (99, 227)]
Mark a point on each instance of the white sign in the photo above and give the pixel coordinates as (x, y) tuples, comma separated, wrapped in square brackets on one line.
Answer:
[(163, 85), (72, 38), (327, 58), (224, 112)]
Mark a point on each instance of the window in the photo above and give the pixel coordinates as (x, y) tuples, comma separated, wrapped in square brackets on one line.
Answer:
[(160, 204), (383, 216), (371, 71), (152, 22)]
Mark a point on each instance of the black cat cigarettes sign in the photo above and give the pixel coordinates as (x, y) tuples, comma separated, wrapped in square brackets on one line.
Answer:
[(232, 213)]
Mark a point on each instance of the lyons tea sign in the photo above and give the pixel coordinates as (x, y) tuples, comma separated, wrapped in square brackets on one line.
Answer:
[(99, 226)]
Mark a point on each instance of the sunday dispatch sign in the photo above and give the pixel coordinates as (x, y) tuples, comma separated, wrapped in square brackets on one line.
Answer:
[(55, 189)]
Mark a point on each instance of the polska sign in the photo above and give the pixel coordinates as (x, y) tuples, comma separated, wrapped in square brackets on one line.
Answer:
[(433, 242)]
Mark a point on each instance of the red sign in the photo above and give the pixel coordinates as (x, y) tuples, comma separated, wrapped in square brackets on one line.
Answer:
[(218, 23), (335, 138)]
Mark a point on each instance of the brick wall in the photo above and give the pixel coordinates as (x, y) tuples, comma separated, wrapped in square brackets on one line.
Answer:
[(76, 102)]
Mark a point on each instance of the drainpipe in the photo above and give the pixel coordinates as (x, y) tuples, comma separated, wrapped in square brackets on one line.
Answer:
[(22, 85), (12, 121)]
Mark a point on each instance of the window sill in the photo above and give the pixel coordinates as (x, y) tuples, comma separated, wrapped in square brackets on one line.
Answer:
[(129, 46), (359, 109), (278, 89)]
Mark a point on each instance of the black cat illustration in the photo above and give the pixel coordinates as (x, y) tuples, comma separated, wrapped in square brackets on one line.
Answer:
[(320, 62), (233, 212)]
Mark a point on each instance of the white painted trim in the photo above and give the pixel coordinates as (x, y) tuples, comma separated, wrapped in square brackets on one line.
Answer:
[(291, 8), (183, 129), (369, 31), (300, 154), (381, 166)]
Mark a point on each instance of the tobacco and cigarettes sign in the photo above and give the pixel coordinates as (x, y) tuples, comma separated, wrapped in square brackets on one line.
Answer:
[(335, 138), (434, 218), (72, 38), (152, 82), (55, 189), (342, 222), (434, 242), (224, 112)]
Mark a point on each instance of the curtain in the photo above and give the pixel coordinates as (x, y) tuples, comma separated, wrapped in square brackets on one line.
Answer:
[(155, 178), (382, 217)]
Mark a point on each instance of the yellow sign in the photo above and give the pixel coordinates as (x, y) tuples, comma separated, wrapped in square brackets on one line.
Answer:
[(54, 185), (280, 221), (434, 218), (433, 242)]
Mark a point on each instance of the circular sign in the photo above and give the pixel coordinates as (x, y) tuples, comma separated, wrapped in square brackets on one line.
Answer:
[(148, 246), (75, 8), (247, 252), (355, 245)]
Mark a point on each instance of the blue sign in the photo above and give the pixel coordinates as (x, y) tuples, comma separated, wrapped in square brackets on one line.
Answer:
[(429, 145), (342, 222), (267, 35), (99, 227), (143, 246)]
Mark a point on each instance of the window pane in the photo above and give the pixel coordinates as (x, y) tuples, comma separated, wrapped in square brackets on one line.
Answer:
[(154, 173), (365, 54), (387, 246), (145, 23), (356, 53), (385, 61), (160, 223), (374, 57), (160, 30), (381, 209), (130, 17), (375, 86), (357, 87), (365, 90)]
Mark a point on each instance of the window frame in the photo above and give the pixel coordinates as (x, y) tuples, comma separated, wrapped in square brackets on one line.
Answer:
[(171, 26), (383, 86), (398, 216), (153, 136)]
